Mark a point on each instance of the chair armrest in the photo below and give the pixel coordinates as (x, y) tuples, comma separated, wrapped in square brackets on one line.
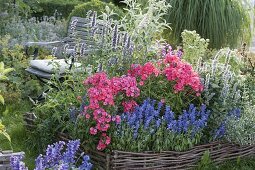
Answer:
[(35, 53), (28, 44)]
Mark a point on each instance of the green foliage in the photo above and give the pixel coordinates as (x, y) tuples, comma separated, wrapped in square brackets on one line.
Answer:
[(4, 133), (241, 131), (205, 161), (145, 25), (10, 11), (57, 112), (11, 115), (95, 5), (161, 140), (20, 84), (3, 77), (220, 21), (193, 45), (246, 163), (49, 7), (250, 88)]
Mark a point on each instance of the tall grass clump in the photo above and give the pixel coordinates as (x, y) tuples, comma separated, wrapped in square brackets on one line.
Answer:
[(220, 21)]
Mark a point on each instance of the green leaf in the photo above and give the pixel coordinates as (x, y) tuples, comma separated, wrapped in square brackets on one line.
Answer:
[(2, 77), (1, 99), (1, 67), (8, 70), (6, 135), (214, 85)]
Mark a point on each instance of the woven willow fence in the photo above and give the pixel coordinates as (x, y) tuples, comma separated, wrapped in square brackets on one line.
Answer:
[(219, 152)]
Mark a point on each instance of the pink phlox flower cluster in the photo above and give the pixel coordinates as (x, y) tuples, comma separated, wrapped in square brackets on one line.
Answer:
[(173, 68), (101, 92), (144, 71), (129, 105), (103, 141), (182, 73), (116, 119), (125, 84)]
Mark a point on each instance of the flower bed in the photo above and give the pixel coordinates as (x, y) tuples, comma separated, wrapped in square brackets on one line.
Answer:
[(163, 131)]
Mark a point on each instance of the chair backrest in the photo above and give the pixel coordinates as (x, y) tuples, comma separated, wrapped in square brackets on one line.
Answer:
[(81, 32)]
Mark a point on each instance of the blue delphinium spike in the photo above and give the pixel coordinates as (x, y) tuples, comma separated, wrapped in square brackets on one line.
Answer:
[(128, 42), (16, 163), (53, 154), (63, 166), (94, 16), (84, 100), (69, 154), (220, 132), (158, 123), (39, 163), (125, 39), (86, 165), (114, 37)]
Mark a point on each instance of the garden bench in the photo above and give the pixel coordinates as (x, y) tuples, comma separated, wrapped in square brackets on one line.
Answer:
[(80, 41)]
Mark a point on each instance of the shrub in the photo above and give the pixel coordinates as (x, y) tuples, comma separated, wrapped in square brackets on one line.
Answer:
[(48, 7), (179, 82), (55, 114), (20, 85), (22, 31), (95, 5), (239, 125), (193, 45), (145, 25), (8, 12), (107, 97)]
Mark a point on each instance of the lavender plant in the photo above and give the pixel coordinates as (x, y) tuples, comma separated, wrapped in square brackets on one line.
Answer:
[(152, 127), (222, 87), (56, 158)]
